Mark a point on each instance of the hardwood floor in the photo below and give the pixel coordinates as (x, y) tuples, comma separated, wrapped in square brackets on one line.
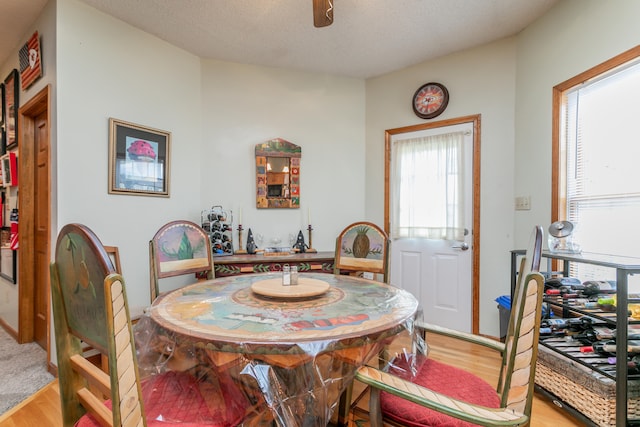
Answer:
[(43, 408)]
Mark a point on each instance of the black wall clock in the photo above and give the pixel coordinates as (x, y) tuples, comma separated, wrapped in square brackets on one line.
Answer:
[(430, 100)]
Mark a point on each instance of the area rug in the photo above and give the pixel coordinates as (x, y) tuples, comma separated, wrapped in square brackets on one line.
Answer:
[(23, 371)]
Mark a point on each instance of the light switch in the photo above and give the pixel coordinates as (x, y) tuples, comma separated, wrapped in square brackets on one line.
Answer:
[(523, 203)]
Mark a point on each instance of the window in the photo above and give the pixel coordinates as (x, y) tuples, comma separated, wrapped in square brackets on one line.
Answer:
[(429, 177), (597, 182)]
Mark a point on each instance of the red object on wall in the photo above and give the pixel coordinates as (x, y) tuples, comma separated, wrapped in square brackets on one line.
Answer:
[(10, 169), (13, 241), (30, 61)]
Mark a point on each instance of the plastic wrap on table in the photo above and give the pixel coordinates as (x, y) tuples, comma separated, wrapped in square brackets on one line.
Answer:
[(290, 360), (172, 374)]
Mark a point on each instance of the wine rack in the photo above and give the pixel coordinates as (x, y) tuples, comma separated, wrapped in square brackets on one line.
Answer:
[(218, 223)]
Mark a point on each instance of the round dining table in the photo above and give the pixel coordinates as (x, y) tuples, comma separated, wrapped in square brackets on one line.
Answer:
[(293, 350)]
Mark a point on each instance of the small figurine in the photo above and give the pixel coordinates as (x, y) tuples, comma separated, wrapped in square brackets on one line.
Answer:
[(300, 245), (251, 244)]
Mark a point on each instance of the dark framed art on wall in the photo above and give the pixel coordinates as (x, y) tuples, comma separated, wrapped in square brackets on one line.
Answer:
[(139, 159), (11, 91), (3, 142)]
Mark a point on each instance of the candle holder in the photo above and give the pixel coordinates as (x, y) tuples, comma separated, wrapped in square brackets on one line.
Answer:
[(310, 250), (240, 251)]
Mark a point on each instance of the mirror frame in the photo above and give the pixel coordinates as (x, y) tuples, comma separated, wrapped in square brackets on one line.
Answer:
[(278, 147)]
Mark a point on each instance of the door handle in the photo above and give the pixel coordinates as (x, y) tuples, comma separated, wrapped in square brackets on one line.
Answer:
[(462, 245)]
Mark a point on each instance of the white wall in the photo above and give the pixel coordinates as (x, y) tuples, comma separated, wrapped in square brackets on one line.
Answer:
[(245, 105), (510, 84), (573, 37), (107, 68), (217, 112), (480, 81)]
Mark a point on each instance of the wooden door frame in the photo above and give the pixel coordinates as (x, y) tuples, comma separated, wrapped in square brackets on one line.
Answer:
[(475, 119), (38, 104)]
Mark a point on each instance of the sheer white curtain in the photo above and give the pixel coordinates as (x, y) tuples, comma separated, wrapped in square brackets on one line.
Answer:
[(427, 194)]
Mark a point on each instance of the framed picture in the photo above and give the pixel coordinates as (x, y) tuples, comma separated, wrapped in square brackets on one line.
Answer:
[(9, 167), (8, 261), (30, 61), (139, 159), (3, 142), (11, 92)]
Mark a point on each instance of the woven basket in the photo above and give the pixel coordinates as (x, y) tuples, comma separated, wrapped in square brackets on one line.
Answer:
[(587, 391)]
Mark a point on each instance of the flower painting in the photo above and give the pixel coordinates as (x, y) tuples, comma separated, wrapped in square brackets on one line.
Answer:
[(139, 159)]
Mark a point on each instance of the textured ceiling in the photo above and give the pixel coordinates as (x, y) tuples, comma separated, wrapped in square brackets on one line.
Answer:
[(16, 19), (367, 38)]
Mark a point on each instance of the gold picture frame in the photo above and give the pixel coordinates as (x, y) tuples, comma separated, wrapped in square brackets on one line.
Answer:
[(139, 159)]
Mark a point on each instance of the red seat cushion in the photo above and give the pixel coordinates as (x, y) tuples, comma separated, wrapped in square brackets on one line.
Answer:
[(448, 380), (178, 398)]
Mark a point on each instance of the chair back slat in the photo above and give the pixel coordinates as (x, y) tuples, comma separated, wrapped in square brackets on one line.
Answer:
[(125, 383), (362, 247), (178, 248), (518, 364)]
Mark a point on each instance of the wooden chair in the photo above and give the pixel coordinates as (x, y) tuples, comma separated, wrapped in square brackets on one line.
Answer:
[(362, 247), (179, 248), (90, 305), (114, 255), (435, 394)]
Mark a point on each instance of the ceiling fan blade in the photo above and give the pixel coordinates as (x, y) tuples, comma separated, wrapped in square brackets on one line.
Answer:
[(322, 13)]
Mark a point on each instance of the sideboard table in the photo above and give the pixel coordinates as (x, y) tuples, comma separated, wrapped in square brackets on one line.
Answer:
[(232, 265)]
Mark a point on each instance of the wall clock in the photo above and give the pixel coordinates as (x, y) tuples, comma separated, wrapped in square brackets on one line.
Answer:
[(430, 100)]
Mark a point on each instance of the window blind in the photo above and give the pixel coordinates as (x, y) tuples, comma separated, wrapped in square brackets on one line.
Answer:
[(603, 162)]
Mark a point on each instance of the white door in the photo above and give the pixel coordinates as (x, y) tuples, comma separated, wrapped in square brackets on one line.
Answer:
[(439, 272)]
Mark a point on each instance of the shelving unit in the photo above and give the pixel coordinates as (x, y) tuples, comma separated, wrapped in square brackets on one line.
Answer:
[(624, 267)]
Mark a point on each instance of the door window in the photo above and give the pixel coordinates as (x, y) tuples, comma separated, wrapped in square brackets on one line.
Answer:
[(428, 175)]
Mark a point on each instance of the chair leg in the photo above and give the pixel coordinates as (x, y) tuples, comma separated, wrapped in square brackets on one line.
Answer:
[(375, 414), (346, 406)]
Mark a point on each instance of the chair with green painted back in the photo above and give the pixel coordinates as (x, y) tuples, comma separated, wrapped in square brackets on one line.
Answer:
[(179, 248), (90, 306), (418, 391)]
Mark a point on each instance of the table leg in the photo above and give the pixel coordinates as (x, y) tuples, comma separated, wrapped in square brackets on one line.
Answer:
[(344, 406)]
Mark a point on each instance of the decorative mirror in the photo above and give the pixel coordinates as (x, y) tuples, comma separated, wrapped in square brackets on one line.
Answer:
[(278, 174)]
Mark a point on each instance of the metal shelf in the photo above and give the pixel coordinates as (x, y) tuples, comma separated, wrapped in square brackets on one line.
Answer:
[(624, 267), (609, 317)]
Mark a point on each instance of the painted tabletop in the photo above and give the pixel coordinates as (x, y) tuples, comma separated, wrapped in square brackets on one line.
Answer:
[(226, 312)]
